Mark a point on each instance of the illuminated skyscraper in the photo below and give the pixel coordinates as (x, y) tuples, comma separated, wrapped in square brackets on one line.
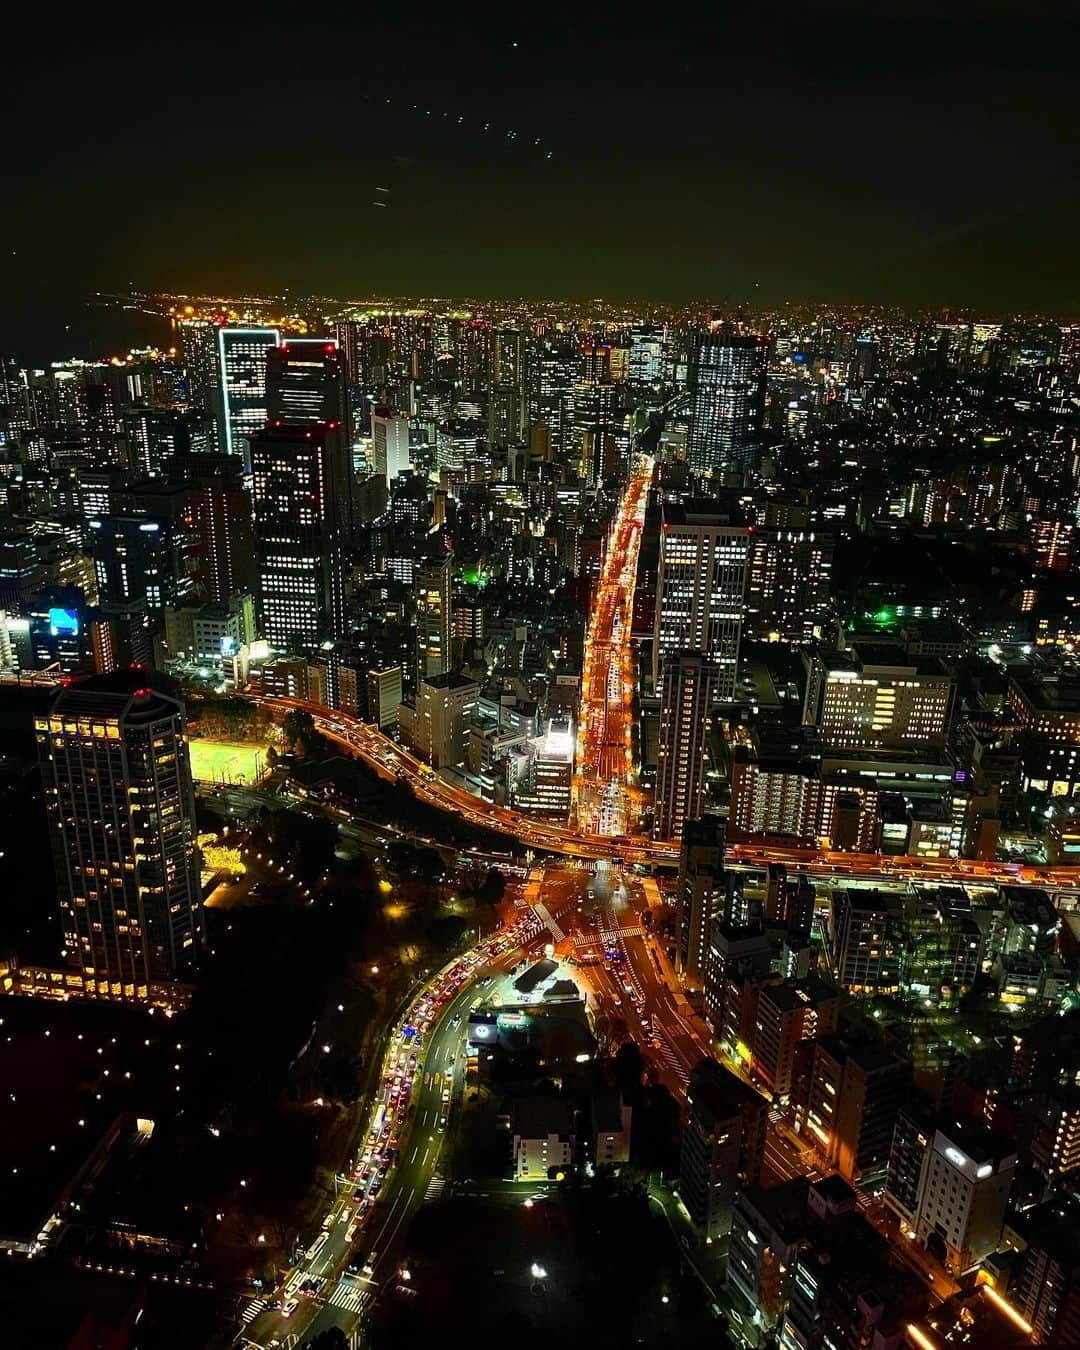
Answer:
[(434, 618), (117, 777), (728, 384), (217, 509), (506, 395), (700, 586), (389, 442), (241, 384), (687, 694), (305, 383), (297, 478), (198, 341)]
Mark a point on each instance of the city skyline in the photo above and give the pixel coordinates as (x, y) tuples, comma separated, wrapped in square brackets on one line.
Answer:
[(540, 677), (817, 159)]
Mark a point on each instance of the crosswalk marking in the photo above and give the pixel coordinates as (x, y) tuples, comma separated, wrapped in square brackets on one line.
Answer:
[(349, 1297), (671, 1059), (607, 936), (253, 1309), (435, 1188)]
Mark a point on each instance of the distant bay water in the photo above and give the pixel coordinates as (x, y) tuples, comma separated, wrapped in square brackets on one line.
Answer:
[(87, 330)]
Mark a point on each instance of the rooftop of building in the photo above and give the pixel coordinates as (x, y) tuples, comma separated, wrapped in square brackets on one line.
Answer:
[(705, 512), (537, 1116), (783, 1208), (140, 695), (450, 679), (973, 1317), (1047, 691), (716, 1094), (810, 991)]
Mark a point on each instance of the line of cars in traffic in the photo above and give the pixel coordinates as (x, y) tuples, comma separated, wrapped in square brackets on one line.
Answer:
[(393, 1107)]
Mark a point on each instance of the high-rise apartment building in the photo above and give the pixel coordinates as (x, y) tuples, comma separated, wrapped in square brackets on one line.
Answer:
[(787, 1017), (856, 1091), (867, 937), (688, 686), (199, 350), (297, 480), (242, 400), (700, 893), (728, 400), (117, 777), (507, 404), (701, 583), (434, 617), (1045, 1283), (723, 1146)]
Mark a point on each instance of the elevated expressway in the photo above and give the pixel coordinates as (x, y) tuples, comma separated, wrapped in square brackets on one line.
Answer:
[(396, 764)]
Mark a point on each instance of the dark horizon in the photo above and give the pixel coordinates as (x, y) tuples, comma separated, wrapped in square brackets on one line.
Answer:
[(914, 157)]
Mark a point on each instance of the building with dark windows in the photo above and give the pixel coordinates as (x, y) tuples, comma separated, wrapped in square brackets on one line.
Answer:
[(305, 383), (687, 693), (723, 1144), (700, 893)]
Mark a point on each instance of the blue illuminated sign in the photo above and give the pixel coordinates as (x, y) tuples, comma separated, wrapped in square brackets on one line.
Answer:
[(63, 622)]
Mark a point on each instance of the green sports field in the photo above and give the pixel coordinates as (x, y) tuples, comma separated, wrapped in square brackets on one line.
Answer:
[(227, 762)]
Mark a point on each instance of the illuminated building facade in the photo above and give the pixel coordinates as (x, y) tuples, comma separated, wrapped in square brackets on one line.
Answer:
[(701, 584), (434, 617), (389, 443), (117, 777), (297, 476), (873, 707), (728, 400), (241, 384)]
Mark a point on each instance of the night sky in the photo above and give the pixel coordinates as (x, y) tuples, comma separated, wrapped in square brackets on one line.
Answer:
[(916, 153)]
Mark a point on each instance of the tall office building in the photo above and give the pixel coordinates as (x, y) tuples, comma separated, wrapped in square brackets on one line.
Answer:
[(728, 407), (553, 374), (787, 591), (687, 695), (701, 583), (146, 559), (305, 384), (434, 618), (306, 387), (217, 510), (297, 477), (199, 352), (700, 893), (389, 443), (506, 393), (117, 777), (240, 384)]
